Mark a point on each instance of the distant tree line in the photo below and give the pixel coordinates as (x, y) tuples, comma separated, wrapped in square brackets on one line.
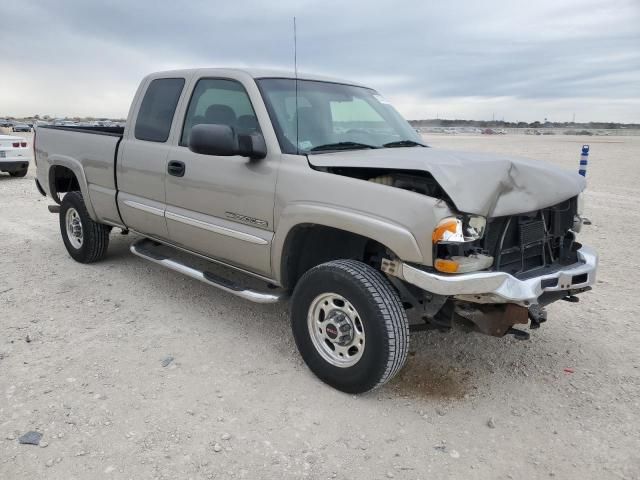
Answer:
[(435, 122), (75, 119)]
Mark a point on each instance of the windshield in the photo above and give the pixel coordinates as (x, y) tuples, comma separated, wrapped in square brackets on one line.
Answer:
[(332, 116)]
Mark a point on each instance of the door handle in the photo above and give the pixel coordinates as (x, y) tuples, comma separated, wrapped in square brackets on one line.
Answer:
[(176, 168)]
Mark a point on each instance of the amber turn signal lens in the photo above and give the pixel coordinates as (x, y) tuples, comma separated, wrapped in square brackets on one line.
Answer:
[(446, 266), (449, 225)]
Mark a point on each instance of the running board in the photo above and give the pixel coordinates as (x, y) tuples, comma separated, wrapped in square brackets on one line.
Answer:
[(145, 249)]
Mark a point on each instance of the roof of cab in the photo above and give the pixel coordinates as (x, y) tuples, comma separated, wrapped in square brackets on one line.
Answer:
[(257, 73)]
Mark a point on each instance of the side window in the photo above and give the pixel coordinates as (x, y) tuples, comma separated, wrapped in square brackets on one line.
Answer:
[(156, 111), (223, 102)]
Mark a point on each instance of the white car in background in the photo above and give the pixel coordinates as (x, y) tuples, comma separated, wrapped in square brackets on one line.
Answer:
[(15, 155)]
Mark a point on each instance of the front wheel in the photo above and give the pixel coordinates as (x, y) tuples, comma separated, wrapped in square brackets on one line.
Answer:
[(349, 325), (86, 241)]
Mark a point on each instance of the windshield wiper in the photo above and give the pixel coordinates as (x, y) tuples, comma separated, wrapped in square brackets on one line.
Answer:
[(341, 146), (403, 143)]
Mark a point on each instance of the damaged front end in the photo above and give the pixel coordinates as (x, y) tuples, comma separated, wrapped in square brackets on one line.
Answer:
[(524, 245), (494, 320), (429, 311), (530, 260), (442, 312), (504, 235)]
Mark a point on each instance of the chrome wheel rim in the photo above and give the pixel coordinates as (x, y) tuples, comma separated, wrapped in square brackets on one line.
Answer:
[(336, 330), (74, 228)]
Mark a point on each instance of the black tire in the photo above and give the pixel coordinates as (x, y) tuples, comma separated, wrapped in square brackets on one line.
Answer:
[(19, 173), (380, 311), (95, 236)]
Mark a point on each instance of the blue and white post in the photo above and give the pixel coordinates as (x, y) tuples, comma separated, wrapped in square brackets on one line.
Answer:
[(584, 160)]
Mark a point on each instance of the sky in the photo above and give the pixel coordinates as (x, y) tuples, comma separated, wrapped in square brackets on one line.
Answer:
[(514, 60)]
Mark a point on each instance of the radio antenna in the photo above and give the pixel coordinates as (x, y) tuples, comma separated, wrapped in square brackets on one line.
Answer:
[(295, 71)]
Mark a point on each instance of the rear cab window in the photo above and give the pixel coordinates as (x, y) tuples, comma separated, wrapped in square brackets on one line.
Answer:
[(158, 107)]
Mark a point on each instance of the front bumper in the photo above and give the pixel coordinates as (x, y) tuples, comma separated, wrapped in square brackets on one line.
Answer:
[(501, 287)]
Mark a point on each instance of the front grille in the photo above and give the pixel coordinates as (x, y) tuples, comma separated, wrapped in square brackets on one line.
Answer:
[(524, 244), (531, 232)]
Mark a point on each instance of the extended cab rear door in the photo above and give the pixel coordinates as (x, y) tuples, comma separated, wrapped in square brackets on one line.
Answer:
[(222, 207), (142, 162)]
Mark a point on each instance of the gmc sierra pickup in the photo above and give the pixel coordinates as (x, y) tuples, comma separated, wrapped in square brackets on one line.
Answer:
[(319, 188)]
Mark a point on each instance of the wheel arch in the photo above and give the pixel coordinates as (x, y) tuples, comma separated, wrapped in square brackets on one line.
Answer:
[(66, 175), (310, 235)]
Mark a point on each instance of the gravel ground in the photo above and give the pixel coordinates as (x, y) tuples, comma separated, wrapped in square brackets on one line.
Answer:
[(131, 371)]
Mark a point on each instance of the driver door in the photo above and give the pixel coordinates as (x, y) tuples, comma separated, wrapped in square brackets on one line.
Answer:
[(221, 207)]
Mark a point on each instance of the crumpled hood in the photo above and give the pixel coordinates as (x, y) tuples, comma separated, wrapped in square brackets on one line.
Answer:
[(483, 184)]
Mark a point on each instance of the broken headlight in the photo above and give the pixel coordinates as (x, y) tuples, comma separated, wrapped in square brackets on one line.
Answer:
[(456, 245)]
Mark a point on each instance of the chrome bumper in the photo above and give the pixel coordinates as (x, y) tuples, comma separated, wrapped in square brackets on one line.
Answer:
[(499, 287)]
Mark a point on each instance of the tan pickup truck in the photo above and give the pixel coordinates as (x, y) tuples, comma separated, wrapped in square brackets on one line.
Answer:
[(319, 188)]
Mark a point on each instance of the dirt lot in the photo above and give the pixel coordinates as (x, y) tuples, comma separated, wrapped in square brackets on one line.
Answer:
[(81, 351)]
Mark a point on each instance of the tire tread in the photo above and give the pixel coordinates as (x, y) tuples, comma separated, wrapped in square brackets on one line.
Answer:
[(388, 303), (96, 235)]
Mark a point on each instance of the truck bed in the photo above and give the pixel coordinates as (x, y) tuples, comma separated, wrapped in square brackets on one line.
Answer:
[(91, 154), (112, 131)]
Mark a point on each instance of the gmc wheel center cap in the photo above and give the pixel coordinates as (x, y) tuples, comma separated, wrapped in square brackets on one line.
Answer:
[(332, 331), (339, 329)]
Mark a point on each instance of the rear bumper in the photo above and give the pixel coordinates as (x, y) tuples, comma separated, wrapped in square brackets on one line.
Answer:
[(13, 165), (501, 287)]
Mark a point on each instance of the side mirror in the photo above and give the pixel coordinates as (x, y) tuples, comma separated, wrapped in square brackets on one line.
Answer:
[(222, 140)]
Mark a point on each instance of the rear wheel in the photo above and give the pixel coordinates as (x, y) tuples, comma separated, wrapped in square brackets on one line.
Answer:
[(86, 241), (349, 325), (19, 173)]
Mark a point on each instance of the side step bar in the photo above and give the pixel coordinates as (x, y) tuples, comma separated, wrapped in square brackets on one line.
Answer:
[(145, 249)]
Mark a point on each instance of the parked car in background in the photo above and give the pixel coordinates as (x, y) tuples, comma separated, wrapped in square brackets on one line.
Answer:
[(21, 127), (6, 123), (14, 155)]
